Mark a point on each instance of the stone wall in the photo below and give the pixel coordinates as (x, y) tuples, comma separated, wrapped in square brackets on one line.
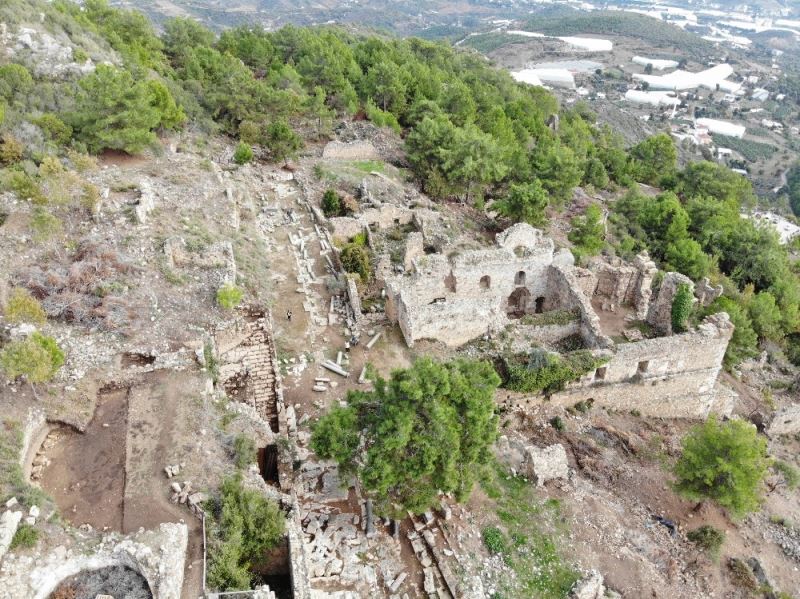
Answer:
[(462, 296), (660, 312), (383, 217), (356, 150), (158, 555), (626, 284), (567, 291), (672, 377)]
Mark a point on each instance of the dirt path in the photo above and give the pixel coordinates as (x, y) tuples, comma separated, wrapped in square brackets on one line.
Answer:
[(161, 431)]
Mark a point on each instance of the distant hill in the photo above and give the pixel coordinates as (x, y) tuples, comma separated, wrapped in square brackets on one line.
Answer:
[(656, 32), (403, 17)]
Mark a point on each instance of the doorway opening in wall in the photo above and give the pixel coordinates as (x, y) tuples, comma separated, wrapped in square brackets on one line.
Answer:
[(539, 305), (268, 464), (519, 278), (486, 282), (600, 373), (518, 303), (643, 366)]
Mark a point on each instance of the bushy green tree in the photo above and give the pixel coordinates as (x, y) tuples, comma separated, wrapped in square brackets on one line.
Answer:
[(588, 232), (765, 316), (725, 462), (37, 358), (681, 308), (331, 203), (282, 141), (558, 168), (243, 153), (181, 35), (524, 202), (229, 296), (744, 341), (355, 258), (426, 430), (654, 158), (686, 256), (245, 526), (716, 181), (118, 113)]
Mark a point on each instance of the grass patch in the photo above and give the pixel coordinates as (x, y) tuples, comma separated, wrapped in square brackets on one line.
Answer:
[(526, 537), (707, 538), (26, 537), (369, 166), (790, 474), (553, 317), (12, 479)]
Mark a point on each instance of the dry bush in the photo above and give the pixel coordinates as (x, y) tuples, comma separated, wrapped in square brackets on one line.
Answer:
[(64, 592), (85, 290)]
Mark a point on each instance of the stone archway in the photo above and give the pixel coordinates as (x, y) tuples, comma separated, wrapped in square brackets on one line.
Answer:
[(518, 303)]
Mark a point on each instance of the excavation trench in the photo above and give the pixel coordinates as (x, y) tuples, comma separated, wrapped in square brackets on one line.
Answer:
[(85, 472)]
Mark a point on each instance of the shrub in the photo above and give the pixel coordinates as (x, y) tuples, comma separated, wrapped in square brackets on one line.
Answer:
[(81, 162), (725, 462), (247, 525), (243, 153), (681, 308), (355, 259), (11, 149), (244, 449), (790, 474), (26, 537), (54, 128), (708, 538), (24, 186), (543, 371), (37, 358), (23, 307), (44, 224), (229, 296), (741, 575), (495, 540), (331, 203), (557, 423)]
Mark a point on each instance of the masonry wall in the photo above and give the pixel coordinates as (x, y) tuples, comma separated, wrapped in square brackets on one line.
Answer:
[(455, 299), (672, 377), (567, 290)]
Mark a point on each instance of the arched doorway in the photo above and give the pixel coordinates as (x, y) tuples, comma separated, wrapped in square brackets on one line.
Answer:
[(518, 303)]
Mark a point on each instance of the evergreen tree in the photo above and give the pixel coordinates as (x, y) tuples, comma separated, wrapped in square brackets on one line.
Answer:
[(424, 431), (524, 203), (725, 462)]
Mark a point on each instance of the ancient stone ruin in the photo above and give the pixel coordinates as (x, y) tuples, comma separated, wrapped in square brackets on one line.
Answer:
[(457, 296)]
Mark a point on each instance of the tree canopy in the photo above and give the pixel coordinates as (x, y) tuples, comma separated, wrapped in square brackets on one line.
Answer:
[(426, 430), (725, 462)]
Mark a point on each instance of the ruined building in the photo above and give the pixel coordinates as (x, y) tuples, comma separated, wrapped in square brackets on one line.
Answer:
[(458, 296)]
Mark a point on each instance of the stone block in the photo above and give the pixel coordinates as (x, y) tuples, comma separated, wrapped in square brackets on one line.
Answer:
[(547, 463)]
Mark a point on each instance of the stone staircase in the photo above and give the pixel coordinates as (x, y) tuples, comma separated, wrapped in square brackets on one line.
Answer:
[(249, 374)]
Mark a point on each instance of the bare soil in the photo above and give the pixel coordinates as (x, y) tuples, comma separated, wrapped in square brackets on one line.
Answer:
[(86, 476)]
